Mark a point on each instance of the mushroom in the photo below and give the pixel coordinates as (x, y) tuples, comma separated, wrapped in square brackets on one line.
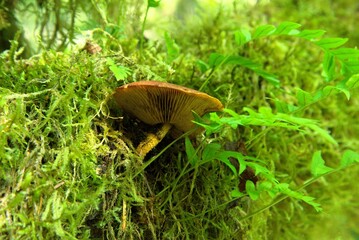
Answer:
[(168, 104)]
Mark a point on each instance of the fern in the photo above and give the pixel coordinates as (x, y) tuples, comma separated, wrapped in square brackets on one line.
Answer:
[(268, 184), (120, 72), (347, 58)]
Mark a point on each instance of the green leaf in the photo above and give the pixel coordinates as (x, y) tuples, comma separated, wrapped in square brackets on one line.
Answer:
[(224, 157), (329, 91), (203, 67), (271, 78), (265, 117), (310, 201), (330, 43), (345, 53), (251, 190), (323, 133), (210, 151), (266, 111), (263, 31), (120, 72), (353, 81), (310, 34), (328, 66), (318, 166), (264, 185), (349, 157), (242, 37), (324, 93), (191, 152), (216, 59), (236, 193), (262, 171), (243, 61), (350, 67), (172, 48), (304, 98), (283, 107), (153, 3), (284, 188), (342, 87), (287, 28), (212, 127)]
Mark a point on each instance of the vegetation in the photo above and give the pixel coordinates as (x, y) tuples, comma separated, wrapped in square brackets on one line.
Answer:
[(277, 163)]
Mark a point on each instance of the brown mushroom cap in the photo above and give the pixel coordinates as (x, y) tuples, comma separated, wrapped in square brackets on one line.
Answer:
[(158, 102)]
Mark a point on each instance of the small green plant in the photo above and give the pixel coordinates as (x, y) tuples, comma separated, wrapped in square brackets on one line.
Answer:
[(150, 4), (268, 183), (173, 50), (333, 53), (120, 72), (341, 75)]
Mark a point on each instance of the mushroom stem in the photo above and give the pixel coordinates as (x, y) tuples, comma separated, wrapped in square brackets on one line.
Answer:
[(152, 140)]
